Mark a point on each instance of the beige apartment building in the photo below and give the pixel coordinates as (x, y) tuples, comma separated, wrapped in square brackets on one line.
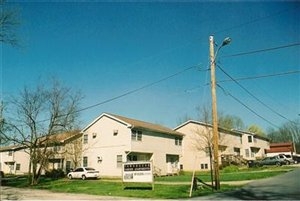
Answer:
[(198, 139), (14, 160), (64, 152), (111, 140)]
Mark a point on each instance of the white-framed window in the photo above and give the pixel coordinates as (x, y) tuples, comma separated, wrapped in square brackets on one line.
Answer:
[(85, 138), (178, 141), (119, 161), (85, 161), (115, 132), (136, 135), (94, 135), (247, 152), (204, 166)]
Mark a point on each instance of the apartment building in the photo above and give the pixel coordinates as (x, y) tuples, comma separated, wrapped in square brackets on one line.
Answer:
[(14, 159), (111, 140), (198, 140)]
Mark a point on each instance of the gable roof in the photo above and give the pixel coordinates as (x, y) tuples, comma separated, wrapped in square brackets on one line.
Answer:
[(223, 130), (136, 124)]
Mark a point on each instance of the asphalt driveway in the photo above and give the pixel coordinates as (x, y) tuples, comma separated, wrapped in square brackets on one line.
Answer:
[(282, 187)]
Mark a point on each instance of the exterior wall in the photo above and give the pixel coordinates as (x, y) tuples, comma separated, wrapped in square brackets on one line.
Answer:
[(232, 143), (104, 145), (14, 161), (192, 155), (256, 148), (165, 152)]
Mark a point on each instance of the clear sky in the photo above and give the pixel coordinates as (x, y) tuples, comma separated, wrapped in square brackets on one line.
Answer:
[(108, 49)]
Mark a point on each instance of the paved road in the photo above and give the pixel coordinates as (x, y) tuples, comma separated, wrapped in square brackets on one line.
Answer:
[(282, 187)]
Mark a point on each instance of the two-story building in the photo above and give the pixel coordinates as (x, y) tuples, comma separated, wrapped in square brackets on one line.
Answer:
[(14, 159), (197, 145), (64, 151), (111, 140)]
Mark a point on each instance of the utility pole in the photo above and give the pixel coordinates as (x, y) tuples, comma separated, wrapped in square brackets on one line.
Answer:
[(214, 114)]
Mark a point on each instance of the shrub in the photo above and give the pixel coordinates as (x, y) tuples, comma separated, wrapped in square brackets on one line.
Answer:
[(231, 168), (55, 173)]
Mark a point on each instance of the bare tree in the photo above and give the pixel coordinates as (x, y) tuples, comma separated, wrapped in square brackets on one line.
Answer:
[(9, 21), (35, 116)]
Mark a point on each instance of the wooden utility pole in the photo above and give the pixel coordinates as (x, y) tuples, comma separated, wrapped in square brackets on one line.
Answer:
[(214, 114)]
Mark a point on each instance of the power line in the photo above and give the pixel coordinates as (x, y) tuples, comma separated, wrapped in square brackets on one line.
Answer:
[(129, 92), (254, 20), (138, 89), (250, 78), (252, 95), (262, 50), (262, 76), (247, 107)]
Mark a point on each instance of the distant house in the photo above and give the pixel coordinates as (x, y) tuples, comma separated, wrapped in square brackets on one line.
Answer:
[(238, 146), (281, 148), (111, 140)]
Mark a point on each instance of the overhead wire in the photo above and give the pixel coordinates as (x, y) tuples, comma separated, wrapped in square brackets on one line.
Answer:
[(252, 95), (247, 107), (250, 78), (262, 50)]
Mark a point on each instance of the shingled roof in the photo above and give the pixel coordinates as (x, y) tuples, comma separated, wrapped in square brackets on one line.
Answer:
[(137, 124)]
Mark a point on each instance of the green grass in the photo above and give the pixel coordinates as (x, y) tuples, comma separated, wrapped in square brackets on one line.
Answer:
[(172, 187)]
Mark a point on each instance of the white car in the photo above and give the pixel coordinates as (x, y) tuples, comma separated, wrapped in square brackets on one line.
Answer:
[(83, 173)]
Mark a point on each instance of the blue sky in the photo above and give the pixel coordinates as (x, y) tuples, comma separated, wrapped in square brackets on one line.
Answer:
[(107, 49)]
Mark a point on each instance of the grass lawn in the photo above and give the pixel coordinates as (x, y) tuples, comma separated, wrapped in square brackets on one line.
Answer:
[(167, 190)]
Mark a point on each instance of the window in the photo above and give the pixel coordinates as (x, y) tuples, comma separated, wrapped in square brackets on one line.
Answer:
[(94, 135), (10, 153), (204, 166), (56, 148), (115, 132), (136, 135), (178, 141), (249, 138), (247, 152), (68, 166), (85, 161), (85, 138), (241, 139), (207, 151), (18, 166), (119, 161)]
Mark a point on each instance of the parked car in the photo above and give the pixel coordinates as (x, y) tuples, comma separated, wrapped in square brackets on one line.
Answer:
[(83, 173), (274, 160), (296, 158), (287, 158)]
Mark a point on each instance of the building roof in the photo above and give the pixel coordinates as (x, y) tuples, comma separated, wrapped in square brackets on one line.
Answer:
[(55, 138), (281, 147), (62, 137), (11, 148), (136, 124), (223, 130)]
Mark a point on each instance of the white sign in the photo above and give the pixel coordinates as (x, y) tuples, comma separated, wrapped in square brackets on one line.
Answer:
[(137, 172)]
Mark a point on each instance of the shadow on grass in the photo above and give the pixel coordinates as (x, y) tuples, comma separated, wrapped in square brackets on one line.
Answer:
[(137, 188)]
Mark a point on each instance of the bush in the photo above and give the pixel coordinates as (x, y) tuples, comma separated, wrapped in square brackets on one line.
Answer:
[(55, 174), (231, 168)]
